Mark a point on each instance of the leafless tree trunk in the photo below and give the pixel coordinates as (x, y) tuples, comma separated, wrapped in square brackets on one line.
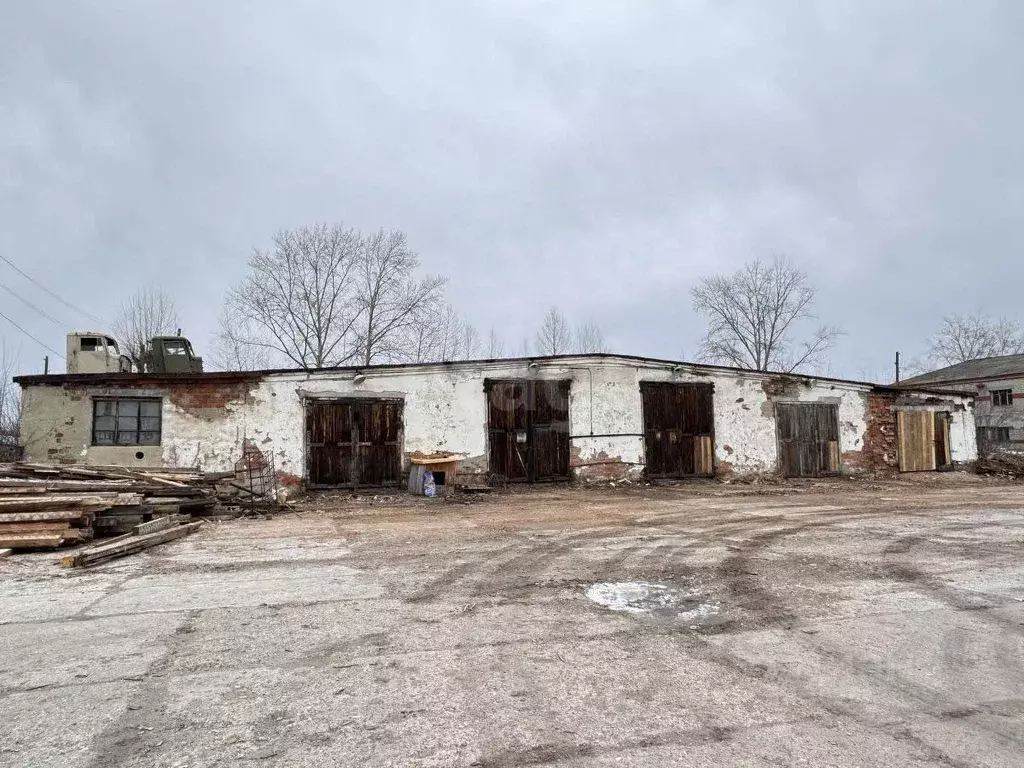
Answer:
[(754, 316), (554, 336), (10, 407), (389, 295), (438, 334), (495, 347), (968, 337), (589, 338), (300, 296), (149, 312), (233, 349)]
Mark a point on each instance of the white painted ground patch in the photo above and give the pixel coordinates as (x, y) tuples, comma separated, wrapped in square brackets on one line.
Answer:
[(640, 597)]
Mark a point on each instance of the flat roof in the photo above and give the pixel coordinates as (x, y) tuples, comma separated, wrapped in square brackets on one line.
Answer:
[(150, 378)]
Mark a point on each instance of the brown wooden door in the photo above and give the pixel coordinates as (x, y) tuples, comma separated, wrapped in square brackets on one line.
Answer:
[(528, 429), (808, 438), (353, 442), (923, 440), (679, 429), (943, 455)]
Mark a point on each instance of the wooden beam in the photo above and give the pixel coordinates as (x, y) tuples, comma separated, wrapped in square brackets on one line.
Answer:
[(39, 516), (127, 545), (31, 540)]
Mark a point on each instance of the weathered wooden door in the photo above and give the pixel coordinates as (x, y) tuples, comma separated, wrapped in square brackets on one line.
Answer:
[(353, 442), (923, 440), (808, 438), (679, 428), (528, 429)]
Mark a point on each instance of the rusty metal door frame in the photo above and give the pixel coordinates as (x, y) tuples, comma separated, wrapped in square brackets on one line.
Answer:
[(710, 386), (356, 439)]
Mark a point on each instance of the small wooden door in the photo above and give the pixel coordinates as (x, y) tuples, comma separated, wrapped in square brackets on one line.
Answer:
[(679, 429), (528, 429), (808, 439), (353, 442), (923, 440)]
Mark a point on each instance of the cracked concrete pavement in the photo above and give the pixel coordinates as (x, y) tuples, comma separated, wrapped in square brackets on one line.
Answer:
[(857, 624)]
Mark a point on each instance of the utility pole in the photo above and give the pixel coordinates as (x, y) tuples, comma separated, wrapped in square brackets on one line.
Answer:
[(897, 367), (46, 365)]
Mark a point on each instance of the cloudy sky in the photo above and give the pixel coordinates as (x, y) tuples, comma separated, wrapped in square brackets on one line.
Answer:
[(599, 155)]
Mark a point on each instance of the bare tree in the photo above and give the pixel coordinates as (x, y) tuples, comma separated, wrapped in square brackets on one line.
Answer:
[(588, 338), (495, 347), (968, 337), (299, 296), (10, 406), (147, 313), (755, 314), (389, 295), (233, 349), (554, 336)]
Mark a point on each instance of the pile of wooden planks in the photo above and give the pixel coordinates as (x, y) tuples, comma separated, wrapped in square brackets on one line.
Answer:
[(142, 537), (49, 506)]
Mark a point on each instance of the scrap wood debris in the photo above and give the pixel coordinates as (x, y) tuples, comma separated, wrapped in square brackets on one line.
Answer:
[(143, 536), (50, 506)]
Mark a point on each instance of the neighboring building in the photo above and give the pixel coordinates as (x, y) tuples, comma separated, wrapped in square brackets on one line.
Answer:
[(542, 418), (999, 402)]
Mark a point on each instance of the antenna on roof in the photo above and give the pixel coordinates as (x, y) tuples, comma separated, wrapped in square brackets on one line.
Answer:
[(897, 367)]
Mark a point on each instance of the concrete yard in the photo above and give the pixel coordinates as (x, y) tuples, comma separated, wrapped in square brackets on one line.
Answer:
[(847, 623)]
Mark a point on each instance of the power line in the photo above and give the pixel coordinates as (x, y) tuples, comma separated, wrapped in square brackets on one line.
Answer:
[(30, 305), (32, 280), (37, 341)]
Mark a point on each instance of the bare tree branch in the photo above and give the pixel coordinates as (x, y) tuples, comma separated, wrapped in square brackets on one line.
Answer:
[(234, 348), (299, 298), (388, 295), (588, 337), (554, 336), (494, 347), (149, 312), (10, 404), (754, 314), (968, 337)]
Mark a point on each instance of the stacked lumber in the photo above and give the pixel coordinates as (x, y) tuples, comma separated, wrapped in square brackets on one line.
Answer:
[(142, 537), (49, 506)]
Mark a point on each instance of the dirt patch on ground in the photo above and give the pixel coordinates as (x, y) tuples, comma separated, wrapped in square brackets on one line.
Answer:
[(848, 622)]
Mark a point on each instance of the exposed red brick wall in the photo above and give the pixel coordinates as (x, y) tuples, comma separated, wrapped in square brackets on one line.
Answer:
[(202, 398), (879, 449), (600, 466)]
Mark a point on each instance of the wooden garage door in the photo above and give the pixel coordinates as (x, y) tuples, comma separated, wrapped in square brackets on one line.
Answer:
[(808, 439), (678, 429), (528, 429), (353, 442), (923, 440)]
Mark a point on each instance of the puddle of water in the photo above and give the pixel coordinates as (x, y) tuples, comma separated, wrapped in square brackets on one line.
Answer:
[(642, 597)]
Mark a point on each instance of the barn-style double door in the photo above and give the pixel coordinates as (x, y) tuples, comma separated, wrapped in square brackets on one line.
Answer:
[(353, 442), (528, 429)]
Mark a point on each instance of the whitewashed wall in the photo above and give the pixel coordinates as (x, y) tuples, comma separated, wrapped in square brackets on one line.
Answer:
[(445, 410)]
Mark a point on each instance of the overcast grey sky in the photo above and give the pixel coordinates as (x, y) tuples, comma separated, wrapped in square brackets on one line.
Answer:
[(598, 155)]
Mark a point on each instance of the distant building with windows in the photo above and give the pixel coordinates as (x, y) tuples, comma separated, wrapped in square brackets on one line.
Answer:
[(999, 404)]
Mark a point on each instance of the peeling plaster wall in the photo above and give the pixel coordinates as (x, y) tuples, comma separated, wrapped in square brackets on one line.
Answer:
[(206, 420)]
